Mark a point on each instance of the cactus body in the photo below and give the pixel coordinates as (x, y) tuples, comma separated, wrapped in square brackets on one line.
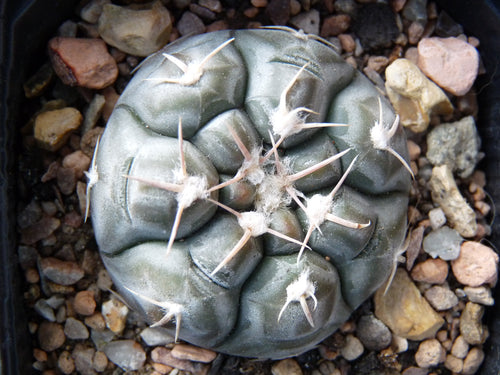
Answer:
[(310, 244)]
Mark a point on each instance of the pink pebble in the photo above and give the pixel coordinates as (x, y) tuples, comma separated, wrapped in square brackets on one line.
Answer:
[(476, 265), (450, 62)]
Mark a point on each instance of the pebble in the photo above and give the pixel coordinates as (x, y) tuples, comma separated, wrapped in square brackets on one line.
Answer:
[(92, 10), (83, 62), (278, 11), (44, 310), (101, 338), (352, 349), (335, 25), (39, 82), (454, 364), (190, 24), (65, 362), (347, 42), (373, 333), (309, 22), (202, 12), (99, 361), (415, 32), (430, 353), (193, 353), (93, 112), (377, 63), (60, 272), (115, 314), (450, 62), (154, 336), (84, 303), (437, 218), (415, 10), (455, 144), (460, 348), (443, 243), (414, 97), (476, 265), (445, 193), (83, 356), (77, 161), (127, 354), (405, 311), (50, 336), (399, 344), (441, 298), (413, 250), (480, 294), (53, 128), (66, 180), (446, 26), (432, 271), (415, 371), (259, 3), (138, 32), (471, 327), (213, 5), (162, 355), (95, 321), (473, 361), (376, 26), (104, 281), (75, 329), (287, 366)]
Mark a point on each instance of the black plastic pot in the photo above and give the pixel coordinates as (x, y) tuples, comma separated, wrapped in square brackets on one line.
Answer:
[(26, 26)]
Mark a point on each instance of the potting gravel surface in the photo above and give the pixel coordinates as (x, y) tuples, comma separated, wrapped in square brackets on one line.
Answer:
[(79, 325)]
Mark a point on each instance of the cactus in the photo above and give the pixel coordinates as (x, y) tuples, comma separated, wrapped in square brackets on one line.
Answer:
[(250, 191)]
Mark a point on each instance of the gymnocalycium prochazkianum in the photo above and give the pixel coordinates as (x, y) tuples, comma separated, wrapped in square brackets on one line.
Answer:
[(250, 191)]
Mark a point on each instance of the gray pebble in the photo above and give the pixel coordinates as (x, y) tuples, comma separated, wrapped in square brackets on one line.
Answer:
[(444, 243), (60, 272), (456, 145), (126, 354), (101, 338), (437, 218), (374, 334), (154, 336), (309, 22), (352, 349), (44, 310), (83, 359), (441, 298), (190, 24), (416, 10), (480, 294), (75, 330)]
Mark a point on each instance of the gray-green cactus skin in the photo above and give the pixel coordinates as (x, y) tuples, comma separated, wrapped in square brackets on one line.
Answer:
[(236, 97)]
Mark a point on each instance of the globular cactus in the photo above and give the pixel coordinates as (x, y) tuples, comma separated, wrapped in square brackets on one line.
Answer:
[(250, 191)]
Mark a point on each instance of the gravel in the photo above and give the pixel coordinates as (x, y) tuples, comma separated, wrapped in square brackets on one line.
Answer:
[(77, 321)]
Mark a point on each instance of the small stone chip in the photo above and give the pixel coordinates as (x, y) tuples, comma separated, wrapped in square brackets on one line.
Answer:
[(52, 128), (287, 366), (193, 353)]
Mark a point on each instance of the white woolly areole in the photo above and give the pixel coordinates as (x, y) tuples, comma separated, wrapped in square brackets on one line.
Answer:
[(302, 287), (194, 187), (252, 168), (254, 221), (317, 208), (271, 194), (286, 123), (379, 136)]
